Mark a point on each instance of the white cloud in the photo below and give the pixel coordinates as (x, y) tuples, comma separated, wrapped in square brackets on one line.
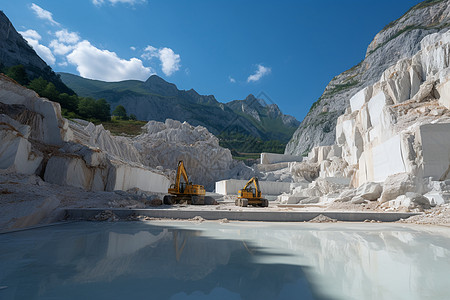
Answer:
[(262, 71), (114, 2), (43, 14), (30, 34), (232, 80), (94, 63), (150, 52), (170, 61), (33, 37), (64, 36), (133, 48), (60, 48)]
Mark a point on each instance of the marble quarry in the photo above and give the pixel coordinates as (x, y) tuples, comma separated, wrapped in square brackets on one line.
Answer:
[(398, 127)]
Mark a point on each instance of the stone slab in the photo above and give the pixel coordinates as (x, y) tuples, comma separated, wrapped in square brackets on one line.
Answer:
[(258, 214), (360, 98), (435, 140), (272, 167), (375, 108), (387, 159), (128, 177), (273, 158)]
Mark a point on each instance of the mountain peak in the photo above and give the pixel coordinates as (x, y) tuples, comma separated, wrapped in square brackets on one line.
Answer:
[(157, 85), (251, 100)]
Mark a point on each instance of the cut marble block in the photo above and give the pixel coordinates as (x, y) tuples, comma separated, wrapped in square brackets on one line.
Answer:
[(435, 140)]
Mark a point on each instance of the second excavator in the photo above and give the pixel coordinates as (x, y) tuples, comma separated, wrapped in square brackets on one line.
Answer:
[(183, 191), (251, 196)]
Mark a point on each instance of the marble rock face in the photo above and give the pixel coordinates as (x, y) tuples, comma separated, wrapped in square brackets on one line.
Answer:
[(395, 136), (164, 144), (15, 150), (161, 146), (35, 138), (43, 116)]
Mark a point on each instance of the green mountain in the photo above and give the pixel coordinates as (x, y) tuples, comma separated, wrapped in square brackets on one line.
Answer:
[(157, 99)]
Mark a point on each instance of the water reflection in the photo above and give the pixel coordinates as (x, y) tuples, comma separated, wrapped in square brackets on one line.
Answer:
[(131, 260), (225, 261)]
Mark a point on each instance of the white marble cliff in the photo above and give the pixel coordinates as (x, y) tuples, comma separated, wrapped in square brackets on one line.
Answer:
[(393, 142)]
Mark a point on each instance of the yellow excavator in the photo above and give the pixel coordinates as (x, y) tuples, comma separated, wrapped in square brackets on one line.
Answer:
[(186, 192), (251, 196)]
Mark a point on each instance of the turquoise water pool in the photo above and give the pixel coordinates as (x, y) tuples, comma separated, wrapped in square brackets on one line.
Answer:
[(210, 260)]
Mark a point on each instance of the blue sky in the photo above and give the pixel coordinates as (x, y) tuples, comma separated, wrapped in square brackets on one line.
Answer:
[(288, 50)]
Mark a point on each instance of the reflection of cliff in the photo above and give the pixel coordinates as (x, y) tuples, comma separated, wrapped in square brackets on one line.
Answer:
[(369, 262), (132, 260), (259, 261)]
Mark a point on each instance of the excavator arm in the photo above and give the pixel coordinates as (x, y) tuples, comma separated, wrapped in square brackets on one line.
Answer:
[(181, 171), (186, 191), (255, 182)]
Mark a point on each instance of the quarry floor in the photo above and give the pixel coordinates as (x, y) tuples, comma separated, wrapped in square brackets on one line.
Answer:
[(26, 201)]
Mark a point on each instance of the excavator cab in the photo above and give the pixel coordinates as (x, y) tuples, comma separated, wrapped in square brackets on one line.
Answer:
[(183, 191), (251, 195)]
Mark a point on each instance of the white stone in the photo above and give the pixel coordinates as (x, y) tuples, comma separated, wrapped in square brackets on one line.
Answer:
[(435, 53), (375, 107), (387, 159), (438, 198), (346, 195), (416, 79), (410, 201), (273, 158), (289, 199), (304, 171), (15, 150), (70, 170), (313, 154), (370, 191), (435, 141), (48, 125), (128, 177), (335, 151), (360, 98), (398, 184), (324, 186), (272, 167), (358, 200), (363, 118), (398, 81)]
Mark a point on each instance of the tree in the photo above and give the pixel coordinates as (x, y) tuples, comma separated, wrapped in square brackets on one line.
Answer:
[(69, 102), (102, 110), (133, 117), (94, 109), (120, 112), (19, 74), (86, 107), (50, 92), (38, 85)]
